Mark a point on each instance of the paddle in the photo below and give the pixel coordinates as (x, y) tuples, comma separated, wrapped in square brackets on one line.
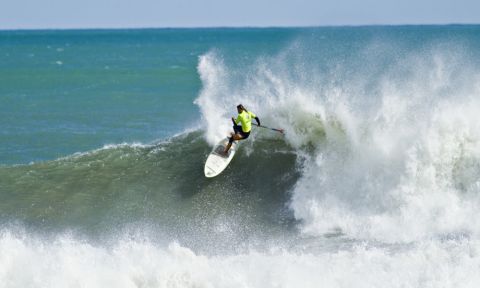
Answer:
[(274, 129)]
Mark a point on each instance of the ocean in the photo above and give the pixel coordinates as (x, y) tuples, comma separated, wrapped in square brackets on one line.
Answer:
[(375, 183)]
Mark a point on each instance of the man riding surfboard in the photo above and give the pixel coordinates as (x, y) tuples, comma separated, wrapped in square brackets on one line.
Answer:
[(242, 131)]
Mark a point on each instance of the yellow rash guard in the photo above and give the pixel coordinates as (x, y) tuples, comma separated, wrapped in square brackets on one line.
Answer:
[(245, 118)]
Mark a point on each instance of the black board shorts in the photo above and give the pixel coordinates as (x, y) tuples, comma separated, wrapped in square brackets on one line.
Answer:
[(238, 130)]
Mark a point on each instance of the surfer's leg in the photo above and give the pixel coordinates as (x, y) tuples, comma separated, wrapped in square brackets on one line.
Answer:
[(234, 137)]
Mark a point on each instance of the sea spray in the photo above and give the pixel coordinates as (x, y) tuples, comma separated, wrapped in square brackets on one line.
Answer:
[(388, 170)]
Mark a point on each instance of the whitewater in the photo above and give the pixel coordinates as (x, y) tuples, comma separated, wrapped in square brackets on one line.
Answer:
[(376, 182)]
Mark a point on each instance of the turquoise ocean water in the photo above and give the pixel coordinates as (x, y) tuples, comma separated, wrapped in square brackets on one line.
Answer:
[(104, 133)]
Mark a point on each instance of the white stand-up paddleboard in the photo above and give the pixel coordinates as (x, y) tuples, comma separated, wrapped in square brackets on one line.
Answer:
[(217, 161)]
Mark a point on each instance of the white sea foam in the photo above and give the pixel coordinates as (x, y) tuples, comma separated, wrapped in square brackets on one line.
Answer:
[(66, 262)]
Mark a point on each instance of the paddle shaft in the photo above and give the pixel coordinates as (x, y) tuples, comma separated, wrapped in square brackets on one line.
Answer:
[(274, 129)]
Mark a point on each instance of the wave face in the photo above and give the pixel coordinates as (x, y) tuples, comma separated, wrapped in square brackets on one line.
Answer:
[(156, 190), (375, 182)]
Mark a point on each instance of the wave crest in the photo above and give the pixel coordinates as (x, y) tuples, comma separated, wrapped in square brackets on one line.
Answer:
[(388, 157)]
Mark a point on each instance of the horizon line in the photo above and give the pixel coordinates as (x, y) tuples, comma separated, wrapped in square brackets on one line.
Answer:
[(237, 27)]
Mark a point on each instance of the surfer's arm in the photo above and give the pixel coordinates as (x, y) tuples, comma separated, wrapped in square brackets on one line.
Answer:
[(254, 117), (236, 121)]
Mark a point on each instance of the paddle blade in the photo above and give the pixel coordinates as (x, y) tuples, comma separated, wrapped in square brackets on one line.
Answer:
[(279, 130)]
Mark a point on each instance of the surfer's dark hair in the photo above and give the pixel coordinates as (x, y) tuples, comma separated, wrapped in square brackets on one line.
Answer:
[(240, 106)]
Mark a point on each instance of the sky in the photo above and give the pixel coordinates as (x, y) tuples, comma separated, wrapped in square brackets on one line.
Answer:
[(64, 14)]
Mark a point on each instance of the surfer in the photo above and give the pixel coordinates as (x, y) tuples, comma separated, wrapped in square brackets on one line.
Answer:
[(241, 132)]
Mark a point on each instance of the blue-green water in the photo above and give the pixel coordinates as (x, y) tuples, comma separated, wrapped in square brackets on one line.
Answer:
[(73, 91), (104, 133)]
